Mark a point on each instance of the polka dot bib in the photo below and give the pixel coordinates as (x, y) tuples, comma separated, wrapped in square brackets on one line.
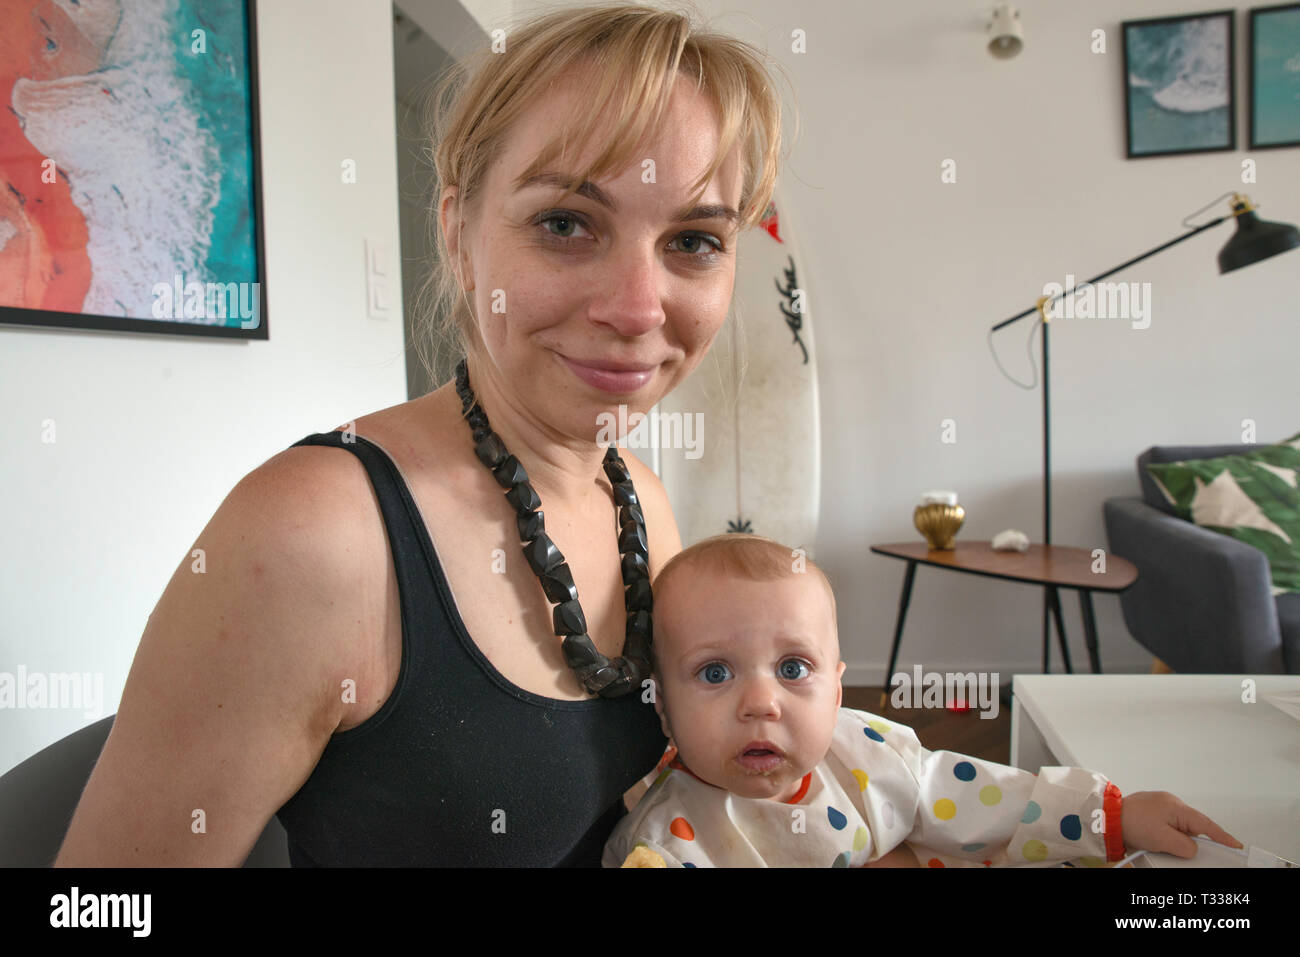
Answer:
[(877, 788)]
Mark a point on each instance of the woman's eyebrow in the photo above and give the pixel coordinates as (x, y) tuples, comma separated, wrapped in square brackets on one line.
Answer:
[(598, 195)]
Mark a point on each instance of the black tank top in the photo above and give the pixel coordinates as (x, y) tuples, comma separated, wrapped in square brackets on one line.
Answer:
[(460, 767)]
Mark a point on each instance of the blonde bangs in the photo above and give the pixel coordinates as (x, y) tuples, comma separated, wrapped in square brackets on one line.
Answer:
[(634, 74)]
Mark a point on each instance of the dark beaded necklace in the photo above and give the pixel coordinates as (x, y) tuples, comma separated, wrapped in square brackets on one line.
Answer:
[(599, 675)]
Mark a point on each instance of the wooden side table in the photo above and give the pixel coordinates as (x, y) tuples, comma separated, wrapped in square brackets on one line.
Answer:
[(1052, 566)]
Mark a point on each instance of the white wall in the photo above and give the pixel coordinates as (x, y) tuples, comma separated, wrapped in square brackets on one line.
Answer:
[(909, 273), (493, 14), (154, 431)]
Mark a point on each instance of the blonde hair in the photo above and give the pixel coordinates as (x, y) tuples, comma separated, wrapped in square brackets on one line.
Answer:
[(636, 52), (751, 557)]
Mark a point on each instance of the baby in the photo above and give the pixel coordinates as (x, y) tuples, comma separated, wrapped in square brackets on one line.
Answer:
[(770, 770)]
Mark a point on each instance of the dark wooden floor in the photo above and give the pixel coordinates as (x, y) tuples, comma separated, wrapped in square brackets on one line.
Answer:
[(942, 730)]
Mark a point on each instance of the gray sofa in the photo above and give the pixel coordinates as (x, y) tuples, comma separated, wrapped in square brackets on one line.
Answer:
[(1202, 602)]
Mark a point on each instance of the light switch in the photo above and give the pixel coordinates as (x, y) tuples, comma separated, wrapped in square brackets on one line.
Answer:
[(378, 271)]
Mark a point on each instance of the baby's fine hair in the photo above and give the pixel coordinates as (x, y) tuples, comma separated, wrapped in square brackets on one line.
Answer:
[(752, 557)]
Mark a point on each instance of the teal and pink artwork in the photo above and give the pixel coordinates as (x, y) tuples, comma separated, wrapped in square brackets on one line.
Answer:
[(128, 166)]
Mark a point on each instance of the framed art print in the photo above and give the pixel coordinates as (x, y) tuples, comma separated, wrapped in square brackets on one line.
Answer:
[(1275, 76), (130, 191), (1178, 89)]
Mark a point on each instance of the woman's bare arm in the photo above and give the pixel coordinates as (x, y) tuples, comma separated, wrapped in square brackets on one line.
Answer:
[(235, 687)]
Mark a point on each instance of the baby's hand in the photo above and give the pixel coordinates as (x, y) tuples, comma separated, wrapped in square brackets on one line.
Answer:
[(1158, 821)]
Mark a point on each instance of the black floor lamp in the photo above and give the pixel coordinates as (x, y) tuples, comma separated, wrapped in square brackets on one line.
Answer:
[(1256, 239)]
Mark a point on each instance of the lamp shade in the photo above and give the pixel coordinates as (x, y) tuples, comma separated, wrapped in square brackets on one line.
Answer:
[(1256, 239)]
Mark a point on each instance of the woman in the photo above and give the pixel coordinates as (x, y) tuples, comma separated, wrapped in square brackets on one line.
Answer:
[(360, 646)]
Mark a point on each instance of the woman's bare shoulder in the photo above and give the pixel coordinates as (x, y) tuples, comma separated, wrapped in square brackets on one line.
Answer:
[(234, 689), (402, 431), (321, 474)]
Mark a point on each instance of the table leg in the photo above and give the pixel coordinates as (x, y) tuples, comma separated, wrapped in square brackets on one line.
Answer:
[(1047, 645), (1060, 627), (1029, 750), (1090, 629), (898, 628)]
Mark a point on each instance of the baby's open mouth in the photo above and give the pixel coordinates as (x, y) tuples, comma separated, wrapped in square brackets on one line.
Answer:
[(760, 757)]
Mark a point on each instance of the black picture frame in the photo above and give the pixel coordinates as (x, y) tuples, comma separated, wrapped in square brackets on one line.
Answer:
[(237, 328), (1253, 76), (1133, 146)]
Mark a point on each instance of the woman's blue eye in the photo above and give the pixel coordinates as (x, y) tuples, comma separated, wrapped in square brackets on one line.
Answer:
[(708, 243), (560, 218), (793, 669), (706, 246), (715, 673)]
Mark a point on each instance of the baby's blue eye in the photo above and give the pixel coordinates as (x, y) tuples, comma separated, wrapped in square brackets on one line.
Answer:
[(715, 673), (793, 669)]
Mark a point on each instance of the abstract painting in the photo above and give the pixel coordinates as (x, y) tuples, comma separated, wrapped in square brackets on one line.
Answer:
[(129, 186)]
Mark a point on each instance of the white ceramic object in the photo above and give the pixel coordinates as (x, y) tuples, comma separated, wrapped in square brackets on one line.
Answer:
[(1011, 541), (939, 498)]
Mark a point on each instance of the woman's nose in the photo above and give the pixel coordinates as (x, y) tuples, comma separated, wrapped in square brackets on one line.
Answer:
[(632, 302)]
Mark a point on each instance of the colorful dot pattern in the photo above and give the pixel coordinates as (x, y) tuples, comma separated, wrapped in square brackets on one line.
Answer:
[(965, 787), (947, 809), (860, 838)]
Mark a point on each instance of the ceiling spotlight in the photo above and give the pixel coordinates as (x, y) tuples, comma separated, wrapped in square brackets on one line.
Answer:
[(1005, 34)]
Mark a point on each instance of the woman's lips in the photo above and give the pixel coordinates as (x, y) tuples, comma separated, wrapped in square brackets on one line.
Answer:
[(616, 383)]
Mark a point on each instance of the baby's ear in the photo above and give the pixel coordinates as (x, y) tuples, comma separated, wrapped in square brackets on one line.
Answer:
[(659, 705)]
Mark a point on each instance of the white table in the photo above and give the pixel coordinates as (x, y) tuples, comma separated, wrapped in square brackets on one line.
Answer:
[(1190, 735)]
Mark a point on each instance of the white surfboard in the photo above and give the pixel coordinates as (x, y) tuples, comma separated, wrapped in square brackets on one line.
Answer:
[(756, 461)]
